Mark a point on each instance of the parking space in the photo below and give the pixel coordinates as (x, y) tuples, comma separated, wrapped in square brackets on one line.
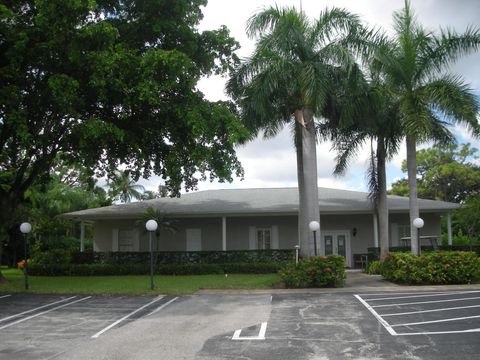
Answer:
[(326, 324), (49, 324), (428, 313)]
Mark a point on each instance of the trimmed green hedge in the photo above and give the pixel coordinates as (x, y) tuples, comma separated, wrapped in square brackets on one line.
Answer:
[(182, 257), (143, 269), (318, 271), (437, 267)]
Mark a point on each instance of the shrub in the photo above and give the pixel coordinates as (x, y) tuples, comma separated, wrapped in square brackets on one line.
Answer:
[(144, 269), (52, 257), (436, 267), (318, 271), (374, 267)]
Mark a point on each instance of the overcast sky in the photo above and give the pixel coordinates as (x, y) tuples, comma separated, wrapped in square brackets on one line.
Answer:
[(272, 163)]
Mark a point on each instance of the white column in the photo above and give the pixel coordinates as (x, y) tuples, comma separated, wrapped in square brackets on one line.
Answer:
[(449, 228), (375, 230), (224, 233), (82, 236)]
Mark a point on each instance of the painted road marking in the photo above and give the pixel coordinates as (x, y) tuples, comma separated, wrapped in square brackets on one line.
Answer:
[(434, 310), (385, 324), (162, 306), (43, 312), (439, 321), (425, 302), (426, 295), (126, 317), (35, 309), (389, 328), (4, 296), (261, 334)]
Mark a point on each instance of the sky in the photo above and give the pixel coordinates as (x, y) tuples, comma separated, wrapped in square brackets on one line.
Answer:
[(272, 163)]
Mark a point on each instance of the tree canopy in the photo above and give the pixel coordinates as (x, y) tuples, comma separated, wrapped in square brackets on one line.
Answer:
[(111, 82), (446, 173)]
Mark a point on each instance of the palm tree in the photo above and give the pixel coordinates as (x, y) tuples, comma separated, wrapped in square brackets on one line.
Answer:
[(377, 121), (414, 65), (124, 188), (288, 79)]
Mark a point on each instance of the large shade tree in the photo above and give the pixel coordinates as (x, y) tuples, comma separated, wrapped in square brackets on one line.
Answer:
[(111, 82), (288, 80), (414, 64)]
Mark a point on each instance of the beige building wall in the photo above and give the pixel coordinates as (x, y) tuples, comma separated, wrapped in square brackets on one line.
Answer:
[(239, 231)]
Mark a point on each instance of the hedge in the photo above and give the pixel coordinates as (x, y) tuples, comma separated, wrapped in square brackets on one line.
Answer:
[(318, 271), (182, 257), (438, 267), (160, 269), (374, 252)]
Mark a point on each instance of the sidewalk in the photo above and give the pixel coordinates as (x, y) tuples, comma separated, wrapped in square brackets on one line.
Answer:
[(357, 282)]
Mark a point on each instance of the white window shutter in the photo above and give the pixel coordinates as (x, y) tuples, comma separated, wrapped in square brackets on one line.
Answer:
[(115, 239), (274, 244), (251, 238), (136, 240), (394, 235)]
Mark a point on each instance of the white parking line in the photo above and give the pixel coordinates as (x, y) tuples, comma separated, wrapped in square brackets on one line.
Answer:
[(261, 334), (162, 306), (426, 295), (437, 321), (4, 296), (385, 324), (35, 309), (43, 312), (440, 332), (434, 310), (125, 317), (424, 302)]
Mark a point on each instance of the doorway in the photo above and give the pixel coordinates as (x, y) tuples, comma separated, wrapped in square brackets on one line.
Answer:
[(337, 243)]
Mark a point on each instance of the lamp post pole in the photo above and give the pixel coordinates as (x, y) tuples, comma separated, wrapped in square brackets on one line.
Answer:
[(151, 226), (25, 228), (314, 226), (418, 224)]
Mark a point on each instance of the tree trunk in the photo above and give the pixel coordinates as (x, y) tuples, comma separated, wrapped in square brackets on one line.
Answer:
[(382, 204), (412, 190), (309, 203), (301, 186)]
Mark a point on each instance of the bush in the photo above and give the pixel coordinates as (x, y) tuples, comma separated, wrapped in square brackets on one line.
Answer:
[(144, 269), (374, 268), (318, 271), (183, 257), (436, 267), (52, 257)]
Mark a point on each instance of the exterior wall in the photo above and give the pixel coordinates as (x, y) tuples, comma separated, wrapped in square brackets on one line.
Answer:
[(431, 227), (239, 231)]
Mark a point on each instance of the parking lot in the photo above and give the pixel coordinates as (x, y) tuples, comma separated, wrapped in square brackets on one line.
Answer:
[(277, 325)]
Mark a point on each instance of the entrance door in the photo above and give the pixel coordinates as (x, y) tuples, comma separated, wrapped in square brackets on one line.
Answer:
[(337, 243)]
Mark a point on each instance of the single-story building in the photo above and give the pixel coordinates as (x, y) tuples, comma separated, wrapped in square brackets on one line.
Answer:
[(242, 219)]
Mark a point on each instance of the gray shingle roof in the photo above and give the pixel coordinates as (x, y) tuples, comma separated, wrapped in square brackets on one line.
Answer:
[(268, 201)]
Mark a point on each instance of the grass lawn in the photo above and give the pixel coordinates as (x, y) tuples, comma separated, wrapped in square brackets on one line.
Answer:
[(134, 284)]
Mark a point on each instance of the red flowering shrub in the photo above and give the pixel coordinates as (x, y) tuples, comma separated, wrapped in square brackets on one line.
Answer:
[(318, 271)]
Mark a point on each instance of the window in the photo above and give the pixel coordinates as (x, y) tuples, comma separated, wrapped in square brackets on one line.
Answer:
[(264, 236), (126, 240), (404, 232)]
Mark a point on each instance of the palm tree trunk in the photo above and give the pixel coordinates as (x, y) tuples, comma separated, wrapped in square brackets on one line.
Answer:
[(412, 190), (301, 185), (310, 207), (382, 204)]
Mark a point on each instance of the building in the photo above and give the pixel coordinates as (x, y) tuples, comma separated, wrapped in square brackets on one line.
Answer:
[(241, 219)]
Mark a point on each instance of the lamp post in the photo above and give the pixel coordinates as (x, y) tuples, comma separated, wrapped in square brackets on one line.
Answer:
[(418, 224), (314, 226), (297, 249), (25, 228), (151, 226)]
